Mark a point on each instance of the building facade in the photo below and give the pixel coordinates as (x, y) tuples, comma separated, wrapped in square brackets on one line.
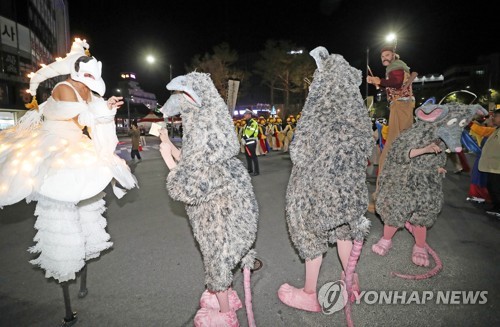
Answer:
[(32, 32)]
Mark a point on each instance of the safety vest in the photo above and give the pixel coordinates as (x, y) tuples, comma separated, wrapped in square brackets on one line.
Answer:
[(251, 129)]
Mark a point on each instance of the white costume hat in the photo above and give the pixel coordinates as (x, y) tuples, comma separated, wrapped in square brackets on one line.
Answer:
[(89, 70)]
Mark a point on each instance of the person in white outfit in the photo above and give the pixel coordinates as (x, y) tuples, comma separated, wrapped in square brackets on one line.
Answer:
[(47, 158)]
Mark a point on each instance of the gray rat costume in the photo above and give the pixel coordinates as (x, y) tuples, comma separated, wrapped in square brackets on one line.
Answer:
[(327, 196), (211, 181), (410, 188)]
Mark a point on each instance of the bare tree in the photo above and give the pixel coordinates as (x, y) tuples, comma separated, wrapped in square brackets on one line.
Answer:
[(219, 65), (283, 69)]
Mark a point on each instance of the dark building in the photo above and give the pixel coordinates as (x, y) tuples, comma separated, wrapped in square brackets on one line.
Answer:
[(32, 32)]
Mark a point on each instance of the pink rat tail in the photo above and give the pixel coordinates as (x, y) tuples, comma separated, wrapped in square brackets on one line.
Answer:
[(248, 265), (351, 267), (433, 272)]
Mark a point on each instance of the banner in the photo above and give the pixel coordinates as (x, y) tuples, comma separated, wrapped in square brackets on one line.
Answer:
[(232, 94)]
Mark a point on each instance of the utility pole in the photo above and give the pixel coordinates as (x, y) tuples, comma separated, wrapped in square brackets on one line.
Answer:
[(367, 73)]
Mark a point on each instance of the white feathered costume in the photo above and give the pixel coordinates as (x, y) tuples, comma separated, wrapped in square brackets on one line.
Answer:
[(47, 158)]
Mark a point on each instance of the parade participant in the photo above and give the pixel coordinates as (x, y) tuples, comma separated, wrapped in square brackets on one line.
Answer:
[(490, 164), (240, 124), (249, 135), (398, 87), (273, 131), (288, 132), (410, 188), (220, 202), (326, 196), (478, 134), (47, 158), (262, 148)]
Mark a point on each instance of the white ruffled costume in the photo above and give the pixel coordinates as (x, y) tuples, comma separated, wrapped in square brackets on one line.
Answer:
[(47, 158)]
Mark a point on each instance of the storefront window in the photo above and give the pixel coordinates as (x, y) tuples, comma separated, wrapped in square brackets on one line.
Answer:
[(6, 120)]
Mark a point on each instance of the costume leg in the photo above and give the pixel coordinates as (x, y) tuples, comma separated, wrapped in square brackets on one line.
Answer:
[(70, 318), (223, 299), (60, 240), (312, 273), (93, 226), (385, 243), (83, 283), (419, 256), (344, 251), (299, 298), (61, 246)]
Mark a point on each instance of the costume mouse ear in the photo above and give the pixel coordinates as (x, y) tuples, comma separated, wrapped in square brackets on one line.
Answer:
[(479, 110), (180, 84), (320, 54), (431, 113)]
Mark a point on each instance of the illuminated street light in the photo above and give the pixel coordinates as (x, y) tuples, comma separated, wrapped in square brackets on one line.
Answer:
[(150, 59), (391, 37)]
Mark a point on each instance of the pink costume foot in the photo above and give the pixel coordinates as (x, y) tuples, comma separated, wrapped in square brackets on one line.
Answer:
[(355, 286), (213, 318), (382, 246), (297, 298), (420, 257), (209, 300)]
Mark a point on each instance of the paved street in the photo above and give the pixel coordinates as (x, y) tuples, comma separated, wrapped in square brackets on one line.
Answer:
[(153, 275)]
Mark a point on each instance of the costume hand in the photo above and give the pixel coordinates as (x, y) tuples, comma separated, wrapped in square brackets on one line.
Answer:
[(432, 148), (166, 153), (441, 170), (115, 102), (373, 80), (164, 136)]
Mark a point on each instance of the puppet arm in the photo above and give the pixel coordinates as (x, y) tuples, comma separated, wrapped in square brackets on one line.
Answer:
[(431, 148), (172, 149)]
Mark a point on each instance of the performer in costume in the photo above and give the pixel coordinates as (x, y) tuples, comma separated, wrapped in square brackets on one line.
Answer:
[(327, 196), (262, 148), (410, 191), (398, 87), (46, 158), (274, 131), (220, 202), (478, 134), (288, 132)]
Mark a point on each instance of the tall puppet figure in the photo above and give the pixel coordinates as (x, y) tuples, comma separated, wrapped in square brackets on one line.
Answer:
[(213, 183), (327, 196), (410, 191), (398, 87), (47, 158)]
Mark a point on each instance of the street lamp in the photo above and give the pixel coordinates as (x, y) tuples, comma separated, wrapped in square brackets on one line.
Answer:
[(392, 38), (151, 60)]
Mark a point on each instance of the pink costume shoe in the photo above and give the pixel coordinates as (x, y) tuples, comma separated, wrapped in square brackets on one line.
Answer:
[(355, 286), (209, 300), (419, 256), (213, 318), (382, 246), (297, 298)]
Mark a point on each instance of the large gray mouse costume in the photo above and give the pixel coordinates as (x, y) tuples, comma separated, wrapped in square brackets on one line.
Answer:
[(410, 188), (327, 195), (211, 181)]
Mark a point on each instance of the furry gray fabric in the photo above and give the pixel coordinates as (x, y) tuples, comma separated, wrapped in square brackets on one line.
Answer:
[(214, 184), (327, 196), (411, 189)]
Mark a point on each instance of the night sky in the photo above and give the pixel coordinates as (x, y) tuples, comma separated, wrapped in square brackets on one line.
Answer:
[(432, 34)]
